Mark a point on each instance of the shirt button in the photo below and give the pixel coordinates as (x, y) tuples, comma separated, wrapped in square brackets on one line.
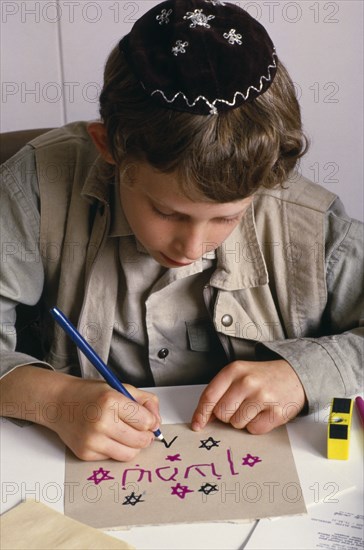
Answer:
[(162, 353), (227, 320)]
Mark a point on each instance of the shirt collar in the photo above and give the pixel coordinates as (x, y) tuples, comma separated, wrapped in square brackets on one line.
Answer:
[(119, 224), (240, 261), (97, 183)]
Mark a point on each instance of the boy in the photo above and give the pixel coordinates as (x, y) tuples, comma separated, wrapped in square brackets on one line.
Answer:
[(178, 238)]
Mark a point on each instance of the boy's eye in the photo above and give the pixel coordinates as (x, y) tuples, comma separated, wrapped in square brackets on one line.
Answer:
[(181, 217), (228, 220), (161, 214)]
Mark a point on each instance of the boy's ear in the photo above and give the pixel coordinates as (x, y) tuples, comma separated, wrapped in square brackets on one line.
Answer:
[(97, 132)]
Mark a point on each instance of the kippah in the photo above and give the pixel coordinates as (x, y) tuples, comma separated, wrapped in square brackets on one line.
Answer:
[(200, 56)]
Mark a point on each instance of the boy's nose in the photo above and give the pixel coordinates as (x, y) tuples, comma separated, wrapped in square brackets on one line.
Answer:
[(189, 245)]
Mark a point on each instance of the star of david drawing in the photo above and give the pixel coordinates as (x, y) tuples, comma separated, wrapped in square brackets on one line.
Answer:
[(250, 460), (100, 472), (208, 489), (208, 443), (173, 458), (132, 499), (180, 490)]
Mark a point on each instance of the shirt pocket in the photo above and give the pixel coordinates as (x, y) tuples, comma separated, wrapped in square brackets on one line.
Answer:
[(201, 335)]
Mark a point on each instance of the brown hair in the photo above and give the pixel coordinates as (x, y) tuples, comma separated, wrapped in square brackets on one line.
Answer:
[(224, 157)]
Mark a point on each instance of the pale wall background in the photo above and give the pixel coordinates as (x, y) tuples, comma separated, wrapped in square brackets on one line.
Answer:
[(53, 53)]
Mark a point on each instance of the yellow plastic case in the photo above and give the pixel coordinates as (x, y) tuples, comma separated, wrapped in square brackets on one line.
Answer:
[(338, 432)]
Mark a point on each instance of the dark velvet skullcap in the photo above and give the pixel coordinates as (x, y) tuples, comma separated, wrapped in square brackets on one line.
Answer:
[(200, 56)]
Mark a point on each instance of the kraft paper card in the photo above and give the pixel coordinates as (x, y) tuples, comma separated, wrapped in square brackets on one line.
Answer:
[(33, 525), (220, 474)]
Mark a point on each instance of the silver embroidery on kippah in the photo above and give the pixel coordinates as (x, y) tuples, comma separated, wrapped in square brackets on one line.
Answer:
[(198, 19), (212, 104), (233, 37), (164, 16), (180, 47), (216, 2)]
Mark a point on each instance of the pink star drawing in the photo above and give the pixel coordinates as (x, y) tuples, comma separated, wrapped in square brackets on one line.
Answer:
[(250, 460), (180, 490), (173, 458), (100, 472)]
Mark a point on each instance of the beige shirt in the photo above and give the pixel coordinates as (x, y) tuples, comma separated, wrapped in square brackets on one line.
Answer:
[(287, 282), (155, 341)]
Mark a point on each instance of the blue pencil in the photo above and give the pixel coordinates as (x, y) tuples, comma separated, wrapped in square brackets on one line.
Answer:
[(92, 356)]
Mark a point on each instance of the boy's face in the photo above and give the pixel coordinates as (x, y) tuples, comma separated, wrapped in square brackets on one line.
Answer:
[(175, 230)]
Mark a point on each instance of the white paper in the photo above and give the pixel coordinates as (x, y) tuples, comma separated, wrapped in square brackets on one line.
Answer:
[(332, 526), (322, 480)]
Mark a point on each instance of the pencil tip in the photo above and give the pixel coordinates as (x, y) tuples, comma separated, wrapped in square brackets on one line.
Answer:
[(160, 436)]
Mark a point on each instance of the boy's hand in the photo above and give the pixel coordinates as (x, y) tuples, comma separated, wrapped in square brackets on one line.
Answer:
[(258, 396), (98, 422)]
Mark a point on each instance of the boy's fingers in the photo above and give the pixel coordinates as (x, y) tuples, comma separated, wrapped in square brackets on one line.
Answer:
[(208, 404), (130, 436), (263, 423), (151, 403), (153, 406), (145, 411), (135, 415), (199, 420), (248, 412), (122, 451)]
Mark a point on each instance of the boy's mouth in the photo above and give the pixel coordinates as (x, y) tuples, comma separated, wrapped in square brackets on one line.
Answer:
[(173, 262)]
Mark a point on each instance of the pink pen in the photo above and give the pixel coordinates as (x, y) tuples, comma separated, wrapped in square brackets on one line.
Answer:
[(360, 408)]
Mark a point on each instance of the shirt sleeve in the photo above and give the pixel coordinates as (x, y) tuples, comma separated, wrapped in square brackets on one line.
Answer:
[(22, 274), (332, 364)]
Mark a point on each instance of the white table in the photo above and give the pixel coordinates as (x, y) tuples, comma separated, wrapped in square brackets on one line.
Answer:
[(32, 465)]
